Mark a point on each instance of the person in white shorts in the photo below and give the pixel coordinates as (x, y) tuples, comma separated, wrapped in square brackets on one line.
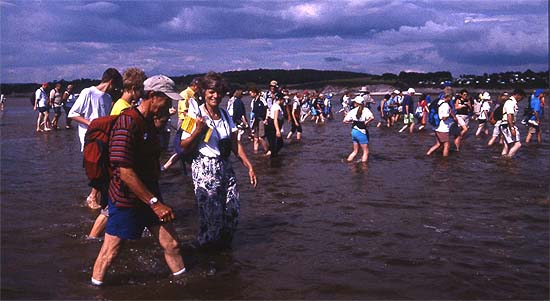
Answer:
[(508, 128)]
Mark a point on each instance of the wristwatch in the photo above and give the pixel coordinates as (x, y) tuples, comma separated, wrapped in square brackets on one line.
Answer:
[(153, 201)]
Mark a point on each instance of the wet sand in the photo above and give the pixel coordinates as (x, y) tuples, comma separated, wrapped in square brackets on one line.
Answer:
[(407, 226)]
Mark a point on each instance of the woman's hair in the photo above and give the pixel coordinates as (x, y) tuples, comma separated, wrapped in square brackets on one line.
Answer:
[(359, 110), (237, 92), (133, 78), (213, 80), (253, 90)]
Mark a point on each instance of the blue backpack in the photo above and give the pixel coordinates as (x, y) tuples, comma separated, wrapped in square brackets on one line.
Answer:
[(433, 116)]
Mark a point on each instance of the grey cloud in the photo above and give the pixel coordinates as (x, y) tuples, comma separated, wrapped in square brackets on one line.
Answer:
[(331, 59), (197, 36)]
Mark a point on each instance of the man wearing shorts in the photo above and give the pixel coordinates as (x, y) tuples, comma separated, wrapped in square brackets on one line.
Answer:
[(508, 126), (442, 131), (41, 104), (408, 109), (135, 201)]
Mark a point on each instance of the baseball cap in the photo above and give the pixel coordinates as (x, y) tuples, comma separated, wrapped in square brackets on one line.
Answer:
[(358, 99), (396, 92), (411, 90), (486, 95), (538, 92), (273, 83), (161, 83)]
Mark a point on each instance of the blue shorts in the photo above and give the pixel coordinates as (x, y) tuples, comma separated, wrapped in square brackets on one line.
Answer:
[(358, 137), (129, 223)]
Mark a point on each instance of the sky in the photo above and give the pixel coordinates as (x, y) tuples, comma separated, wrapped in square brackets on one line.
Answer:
[(54, 40)]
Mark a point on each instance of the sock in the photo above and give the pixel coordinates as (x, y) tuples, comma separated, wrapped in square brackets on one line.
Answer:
[(179, 272), (96, 282)]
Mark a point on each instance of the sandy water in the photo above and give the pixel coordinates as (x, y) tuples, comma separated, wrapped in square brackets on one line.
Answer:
[(472, 226)]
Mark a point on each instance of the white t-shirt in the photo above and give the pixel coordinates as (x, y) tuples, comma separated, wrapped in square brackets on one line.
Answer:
[(90, 104), (296, 105), (40, 94), (56, 97), (484, 110), (444, 111), (230, 103), (221, 129), (193, 108), (365, 115), (276, 107), (510, 107)]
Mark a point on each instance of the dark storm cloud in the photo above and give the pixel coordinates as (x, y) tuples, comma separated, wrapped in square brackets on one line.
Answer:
[(373, 36)]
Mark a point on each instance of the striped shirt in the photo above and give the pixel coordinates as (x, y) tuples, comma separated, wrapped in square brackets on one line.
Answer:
[(134, 144)]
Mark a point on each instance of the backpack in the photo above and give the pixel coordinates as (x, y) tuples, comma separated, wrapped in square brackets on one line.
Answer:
[(527, 112), (433, 115), (497, 114), (96, 151)]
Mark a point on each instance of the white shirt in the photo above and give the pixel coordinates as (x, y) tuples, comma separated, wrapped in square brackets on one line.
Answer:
[(444, 111), (365, 115), (230, 104), (275, 107), (90, 104), (296, 105), (221, 129), (40, 94), (510, 107), (55, 96), (484, 110), (193, 108)]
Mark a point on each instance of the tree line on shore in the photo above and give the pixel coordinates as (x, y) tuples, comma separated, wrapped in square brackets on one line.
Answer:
[(317, 79)]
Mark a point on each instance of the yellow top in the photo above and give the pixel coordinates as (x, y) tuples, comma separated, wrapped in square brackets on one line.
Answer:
[(183, 105), (119, 106)]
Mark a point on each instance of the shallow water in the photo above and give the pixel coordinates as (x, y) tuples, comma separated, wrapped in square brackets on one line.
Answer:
[(472, 226)]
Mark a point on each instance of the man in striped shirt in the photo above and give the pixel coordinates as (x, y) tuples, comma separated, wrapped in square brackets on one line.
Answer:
[(135, 201)]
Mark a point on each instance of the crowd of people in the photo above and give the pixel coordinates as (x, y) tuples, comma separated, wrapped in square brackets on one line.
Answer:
[(207, 134)]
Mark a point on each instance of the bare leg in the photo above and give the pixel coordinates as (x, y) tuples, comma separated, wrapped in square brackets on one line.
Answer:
[(167, 239), (446, 146), (93, 199), (365, 148), (47, 125), (434, 148), (39, 122), (174, 158), (109, 251), (352, 155), (514, 149), (504, 149), (99, 226)]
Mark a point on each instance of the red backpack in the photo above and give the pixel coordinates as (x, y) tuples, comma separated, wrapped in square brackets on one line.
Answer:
[(96, 151)]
